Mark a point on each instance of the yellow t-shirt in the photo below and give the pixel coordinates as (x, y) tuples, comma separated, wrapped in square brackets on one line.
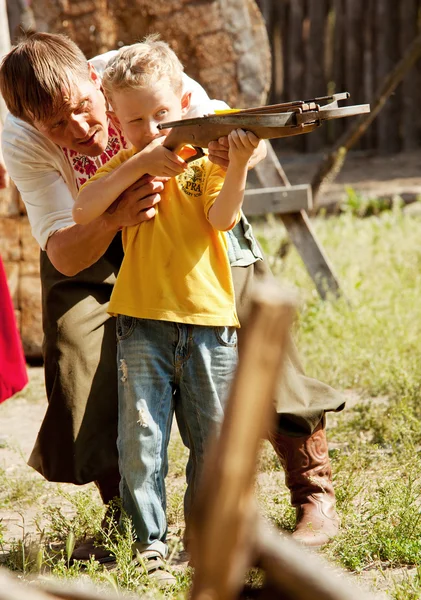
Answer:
[(175, 266)]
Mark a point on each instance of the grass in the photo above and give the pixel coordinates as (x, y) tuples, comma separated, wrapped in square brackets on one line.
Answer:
[(366, 344)]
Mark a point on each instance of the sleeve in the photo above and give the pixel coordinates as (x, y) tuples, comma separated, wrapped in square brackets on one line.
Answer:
[(29, 160), (112, 164), (200, 104), (100, 62)]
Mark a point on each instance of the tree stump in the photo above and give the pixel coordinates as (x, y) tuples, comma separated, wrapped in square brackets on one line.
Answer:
[(223, 44)]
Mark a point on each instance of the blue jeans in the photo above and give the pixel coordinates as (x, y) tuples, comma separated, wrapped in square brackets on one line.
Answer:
[(165, 367)]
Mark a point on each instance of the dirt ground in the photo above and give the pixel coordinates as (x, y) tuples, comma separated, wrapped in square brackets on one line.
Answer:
[(370, 175), (20, 419)]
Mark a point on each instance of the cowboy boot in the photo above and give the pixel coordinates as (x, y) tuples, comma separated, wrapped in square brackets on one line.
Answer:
[(108, 487), (308, 475)]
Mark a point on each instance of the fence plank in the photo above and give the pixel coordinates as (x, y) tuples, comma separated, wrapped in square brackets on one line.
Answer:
[(369, 80), (315, 77), (337, 45), (354, 18), (387, 51), (410, 96), (295, 66), (338, 68)]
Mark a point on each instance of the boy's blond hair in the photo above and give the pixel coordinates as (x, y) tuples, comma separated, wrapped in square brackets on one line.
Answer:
[(36, 73), (141, 65)]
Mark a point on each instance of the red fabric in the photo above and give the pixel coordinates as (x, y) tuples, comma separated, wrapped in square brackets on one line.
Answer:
[(13, 375)]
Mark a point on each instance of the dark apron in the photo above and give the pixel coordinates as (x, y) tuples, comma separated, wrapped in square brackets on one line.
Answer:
[(77, 439)]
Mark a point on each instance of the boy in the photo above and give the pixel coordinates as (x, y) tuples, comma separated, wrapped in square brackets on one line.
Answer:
[(174, 296)]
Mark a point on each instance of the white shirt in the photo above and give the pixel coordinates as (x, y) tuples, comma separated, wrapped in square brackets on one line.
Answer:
[(43, 175)]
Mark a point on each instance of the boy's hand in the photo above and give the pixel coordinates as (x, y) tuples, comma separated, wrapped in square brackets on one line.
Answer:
[(242, 144), (159, 161), (219, 153)]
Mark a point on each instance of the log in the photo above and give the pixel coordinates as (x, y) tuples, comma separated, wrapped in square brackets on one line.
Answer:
[(11, 588), (277, 200), (291, 572), (227, 534), (223, 523), (270, 173), (223, 44)]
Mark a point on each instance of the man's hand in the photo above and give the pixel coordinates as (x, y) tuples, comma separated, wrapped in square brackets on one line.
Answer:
[(218, 153), (136, 204)]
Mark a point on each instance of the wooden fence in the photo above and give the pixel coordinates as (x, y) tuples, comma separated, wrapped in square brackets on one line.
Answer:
[(324, 46)]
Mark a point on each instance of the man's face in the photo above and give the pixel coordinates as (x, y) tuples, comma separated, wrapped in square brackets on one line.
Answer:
[(81, 124), (140, 111)]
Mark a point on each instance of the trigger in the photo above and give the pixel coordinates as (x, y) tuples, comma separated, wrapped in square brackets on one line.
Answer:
[(192, 153)]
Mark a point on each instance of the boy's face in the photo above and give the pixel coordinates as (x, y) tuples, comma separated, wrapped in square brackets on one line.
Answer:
[(140, 111), (81, 124)]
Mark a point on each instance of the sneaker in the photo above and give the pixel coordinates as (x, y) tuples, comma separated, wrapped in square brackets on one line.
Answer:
[(156, 568)]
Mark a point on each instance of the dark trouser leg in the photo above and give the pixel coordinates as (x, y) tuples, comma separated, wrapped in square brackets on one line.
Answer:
[(109, 485), (299, 437)]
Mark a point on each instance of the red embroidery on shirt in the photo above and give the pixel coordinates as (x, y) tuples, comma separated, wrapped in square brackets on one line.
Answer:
[(85, 166)]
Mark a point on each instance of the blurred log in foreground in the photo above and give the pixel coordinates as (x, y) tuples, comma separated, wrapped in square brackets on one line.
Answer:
[(227, 535)]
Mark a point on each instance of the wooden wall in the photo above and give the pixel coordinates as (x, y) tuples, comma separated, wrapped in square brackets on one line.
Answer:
[(324, 46)]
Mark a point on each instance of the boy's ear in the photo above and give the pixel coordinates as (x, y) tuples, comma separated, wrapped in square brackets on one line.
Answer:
[(113, 117), (185, 103), (94, 76)]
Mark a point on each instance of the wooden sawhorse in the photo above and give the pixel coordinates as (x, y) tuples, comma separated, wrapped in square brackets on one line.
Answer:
[(278, 196)]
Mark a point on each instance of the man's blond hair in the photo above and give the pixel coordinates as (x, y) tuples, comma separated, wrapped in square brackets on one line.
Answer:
[(142, 65), (38, 72)]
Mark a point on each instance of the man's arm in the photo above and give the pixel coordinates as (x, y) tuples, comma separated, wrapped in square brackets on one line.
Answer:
[(76, 247), (46, 183), (4, 178)]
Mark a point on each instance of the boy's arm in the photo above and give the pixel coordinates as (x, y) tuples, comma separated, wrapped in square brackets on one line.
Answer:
[(224, 211), (97, 195)]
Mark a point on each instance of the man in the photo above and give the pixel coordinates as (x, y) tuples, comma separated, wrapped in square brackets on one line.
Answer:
[(4, 178), (54, 140)]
